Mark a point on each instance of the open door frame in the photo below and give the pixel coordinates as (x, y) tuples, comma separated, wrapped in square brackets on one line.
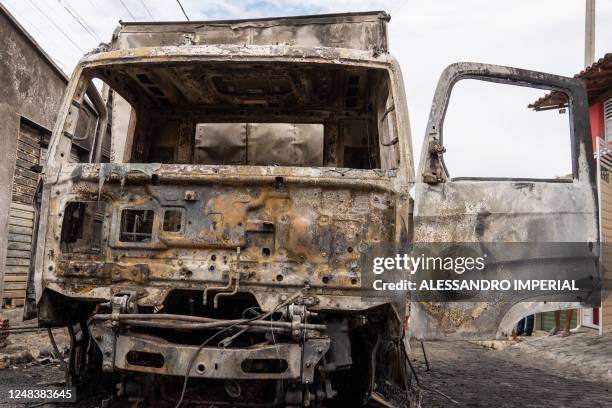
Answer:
[(502, 210)]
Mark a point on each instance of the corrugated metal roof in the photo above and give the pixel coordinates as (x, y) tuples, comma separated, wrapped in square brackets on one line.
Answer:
[(598, 78)]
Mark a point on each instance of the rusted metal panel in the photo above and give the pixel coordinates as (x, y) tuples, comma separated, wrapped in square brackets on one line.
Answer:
[(280, 144), (210, 363), (219, 143)]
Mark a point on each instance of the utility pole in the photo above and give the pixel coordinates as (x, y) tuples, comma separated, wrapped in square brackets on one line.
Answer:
[(589, 33)]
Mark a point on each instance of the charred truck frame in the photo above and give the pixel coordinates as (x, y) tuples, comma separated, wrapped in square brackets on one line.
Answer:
[(262, 158)]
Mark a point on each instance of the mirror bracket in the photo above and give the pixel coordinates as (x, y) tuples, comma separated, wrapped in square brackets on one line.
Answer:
[(435, 173)]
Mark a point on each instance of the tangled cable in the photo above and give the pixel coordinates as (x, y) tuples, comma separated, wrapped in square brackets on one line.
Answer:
[(208, 340)]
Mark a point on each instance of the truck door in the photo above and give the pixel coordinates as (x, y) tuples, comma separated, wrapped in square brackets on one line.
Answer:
[(517, 216)]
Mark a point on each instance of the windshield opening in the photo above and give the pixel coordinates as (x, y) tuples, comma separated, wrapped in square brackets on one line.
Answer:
[(247, 113)]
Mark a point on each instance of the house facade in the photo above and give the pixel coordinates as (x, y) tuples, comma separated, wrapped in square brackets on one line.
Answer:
[(598, 80)]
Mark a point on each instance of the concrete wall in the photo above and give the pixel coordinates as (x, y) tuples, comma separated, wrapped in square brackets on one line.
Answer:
[(30, 87)]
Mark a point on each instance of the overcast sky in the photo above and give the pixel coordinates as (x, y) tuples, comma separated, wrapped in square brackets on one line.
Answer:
[(425, 36)]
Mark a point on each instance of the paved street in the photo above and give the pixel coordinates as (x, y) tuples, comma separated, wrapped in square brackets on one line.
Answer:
[(474, 376)]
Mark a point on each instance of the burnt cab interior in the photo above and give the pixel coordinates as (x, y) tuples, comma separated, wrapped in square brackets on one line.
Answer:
[(265, 114)]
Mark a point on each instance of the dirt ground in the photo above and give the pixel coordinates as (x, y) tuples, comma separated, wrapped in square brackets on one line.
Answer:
[(28, 359)]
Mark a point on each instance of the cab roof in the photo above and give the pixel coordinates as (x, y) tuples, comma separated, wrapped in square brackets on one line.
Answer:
[(362, 31)]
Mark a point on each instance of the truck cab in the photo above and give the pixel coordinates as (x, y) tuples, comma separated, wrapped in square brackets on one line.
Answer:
[(254, 162)]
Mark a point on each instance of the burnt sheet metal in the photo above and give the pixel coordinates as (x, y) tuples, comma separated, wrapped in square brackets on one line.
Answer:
[(387, 188), (363, 31), (285, 144), (498, 210), (432, 165), (259, 144), (227, 240), (220, 143), (294, 55), (292, 225), (473, 320), (291, 361)]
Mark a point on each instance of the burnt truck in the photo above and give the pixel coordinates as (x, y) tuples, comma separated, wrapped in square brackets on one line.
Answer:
[(215, 259)]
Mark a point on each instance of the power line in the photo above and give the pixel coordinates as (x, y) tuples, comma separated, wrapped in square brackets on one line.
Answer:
[(28, 23), (91, 27), (34, 27), (183, 10), (50, 39), (93, 3), (127, 9), (56, 26), (79, 20), (147, 9)]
